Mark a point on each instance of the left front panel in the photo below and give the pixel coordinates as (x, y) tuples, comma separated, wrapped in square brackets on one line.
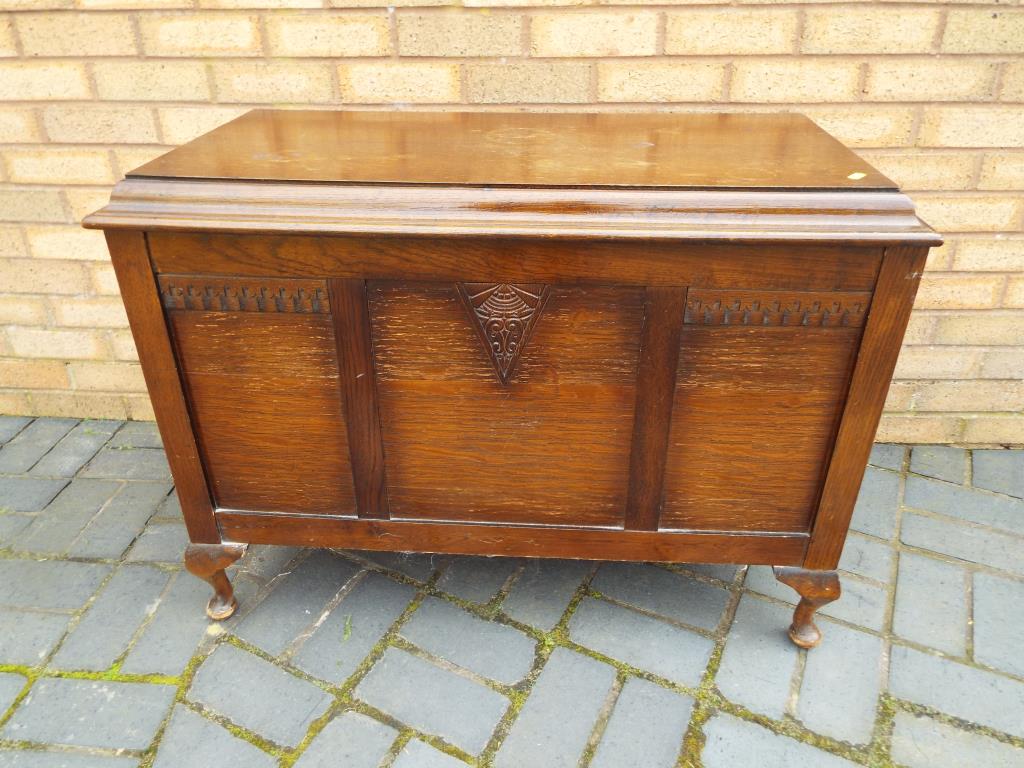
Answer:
[(258, 359)]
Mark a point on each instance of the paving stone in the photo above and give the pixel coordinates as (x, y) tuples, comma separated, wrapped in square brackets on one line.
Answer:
[(351, 740), (416, 566), (35, 759), (861, 602), (48, 584), (663, 592), (118, 524), (543, 590), (923, 742), (491, 650), (971, 694), (10, 686), (11, 426), (160, 543), (109, 624), (266, 563), (722, 572), (353, 628), (75, 449), (999, 623), (941, 461), (999, 470), (875, 512), (171, 508), (867, 557), (90, 713), (12, 526), (129, 464), (192, 740), (851, 662), (732, 742), (417, 754), (27, 494), (887, 456), (137, 434), (275, 704), (21, 452), (28, 638), (433, 700), (646, 728), (170, 639), (967, 504), (298, 600), (56, 527), (477, 579), (557, 719), (643, 642), (976, 545), (931, 604), (758, 661)]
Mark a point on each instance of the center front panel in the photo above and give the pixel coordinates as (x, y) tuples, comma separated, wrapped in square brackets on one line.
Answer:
[(506, 403)]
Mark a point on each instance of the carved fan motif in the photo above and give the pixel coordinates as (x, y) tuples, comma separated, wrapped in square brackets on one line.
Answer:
[(504, 316)]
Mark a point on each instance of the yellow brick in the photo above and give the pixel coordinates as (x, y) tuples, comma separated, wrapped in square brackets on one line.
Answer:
[(1002, 170), (274, 81), (182, 124), (984, 30), (731, 31), (944, 79), (7, 45), (865, 126), (1015, 296), (420, 3), (983, 328), (12, 243), (35, 5), (22, 310), (260, 4), (1013, 81), (490, 3), (90, 313), (52, 165), (31, 205), (107, 376), (84, 200), (151, 80), (989, 256), (42, 81), (36, 276), (970, 396), (61, 344), (133, 5), (345, 35), (536, 82), (899, 428), (200, 34), (925, 170), (978, 126), (614, 33), (1003, 363), (398, 81), (998, 430), (140, 408), (459, 33), (123, 344), (808, 80), (33, 374), (104, 281), (18, 126), (901, 395), (935, 362), (659, 81), (76, 34), (919, 329), (14, 403), (83, 405), (100, 125), (970, 214), (66, 243), (959, 291), (861, 29), (938, 259)]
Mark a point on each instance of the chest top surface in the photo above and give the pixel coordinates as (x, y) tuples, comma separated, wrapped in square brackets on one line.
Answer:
[(676, 151)]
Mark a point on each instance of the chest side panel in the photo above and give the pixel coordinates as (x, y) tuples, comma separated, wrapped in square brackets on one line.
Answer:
[(259, 363)]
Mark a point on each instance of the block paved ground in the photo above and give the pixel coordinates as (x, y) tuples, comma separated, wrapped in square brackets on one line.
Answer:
[(412, 661)]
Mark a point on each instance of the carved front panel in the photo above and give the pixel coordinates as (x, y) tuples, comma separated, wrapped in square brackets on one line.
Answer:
[(233, 294), (773, 308)]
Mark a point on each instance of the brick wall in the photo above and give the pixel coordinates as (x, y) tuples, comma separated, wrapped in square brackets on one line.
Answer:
[(931, 93)]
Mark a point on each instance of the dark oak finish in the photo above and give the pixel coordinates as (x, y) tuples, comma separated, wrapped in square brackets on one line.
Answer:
[(208, 562), (624, 337)]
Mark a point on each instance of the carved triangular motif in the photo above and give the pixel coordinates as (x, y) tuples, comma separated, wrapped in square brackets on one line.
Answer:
[(504, 316)]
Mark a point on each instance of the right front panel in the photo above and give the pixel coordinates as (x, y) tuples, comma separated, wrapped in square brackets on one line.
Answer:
[(761, 384)]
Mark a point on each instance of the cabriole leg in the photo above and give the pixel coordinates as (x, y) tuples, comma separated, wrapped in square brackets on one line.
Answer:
[(816, 588), (208, 561)]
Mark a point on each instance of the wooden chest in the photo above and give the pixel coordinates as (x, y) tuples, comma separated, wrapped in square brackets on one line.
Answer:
[(650, 337)]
